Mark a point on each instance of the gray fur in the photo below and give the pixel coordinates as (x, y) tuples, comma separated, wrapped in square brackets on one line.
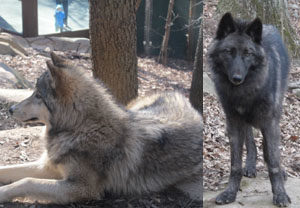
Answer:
[(94, 145), (250, 67)]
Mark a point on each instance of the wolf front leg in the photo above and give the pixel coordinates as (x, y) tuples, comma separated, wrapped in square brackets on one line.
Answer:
[(54, 191), (271, 135), (39, 169), (237, 131), (250, 166)]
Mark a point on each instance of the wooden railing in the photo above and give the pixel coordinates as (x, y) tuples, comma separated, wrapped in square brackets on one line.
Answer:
[(30, 22)]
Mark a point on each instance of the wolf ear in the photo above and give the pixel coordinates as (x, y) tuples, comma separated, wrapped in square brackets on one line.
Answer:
[(56, 74), (254, 30), (61, 83), (226, 26), (55, 71), (57, 61)]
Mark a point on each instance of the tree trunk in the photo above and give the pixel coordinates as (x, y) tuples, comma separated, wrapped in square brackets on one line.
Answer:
[(196, 92), (191, 28), (270, 11), (163, 55), (113, 43), (137, 5), (148, 25)]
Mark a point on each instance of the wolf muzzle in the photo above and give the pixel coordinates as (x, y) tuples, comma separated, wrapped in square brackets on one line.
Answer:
[(237, 79), (11, 110)]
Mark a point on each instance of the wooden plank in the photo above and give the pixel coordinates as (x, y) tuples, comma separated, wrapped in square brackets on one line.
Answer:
[(30, 18)]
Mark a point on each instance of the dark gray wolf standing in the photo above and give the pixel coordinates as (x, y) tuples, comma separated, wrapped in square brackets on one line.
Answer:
[(250, 67), (94, 145)]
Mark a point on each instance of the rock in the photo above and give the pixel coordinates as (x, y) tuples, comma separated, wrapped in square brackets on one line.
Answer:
[(15, 79), (208, 85), (22, 42), (48, 44), (6, 49), (294, 6), (256, 192), (7, 79), (13, 45), (294, 85), (41, 43), (84, 46), (65, 44), (296, 92), (14, 95)]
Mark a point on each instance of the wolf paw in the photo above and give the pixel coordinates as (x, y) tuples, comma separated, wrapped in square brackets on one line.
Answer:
[(249, 172), (281, 200), (226, 197)]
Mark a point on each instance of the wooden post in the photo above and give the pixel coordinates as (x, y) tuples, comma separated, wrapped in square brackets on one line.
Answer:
[(30, 18), (147, 28), (191, 26), (163, 55)]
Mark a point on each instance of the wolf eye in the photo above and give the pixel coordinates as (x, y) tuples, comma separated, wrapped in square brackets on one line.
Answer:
[(228, 51)]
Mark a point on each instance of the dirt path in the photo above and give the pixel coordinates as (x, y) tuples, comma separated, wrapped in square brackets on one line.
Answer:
[(256, 193)]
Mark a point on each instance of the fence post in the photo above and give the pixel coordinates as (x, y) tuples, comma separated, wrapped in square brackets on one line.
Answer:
[(30, 18)]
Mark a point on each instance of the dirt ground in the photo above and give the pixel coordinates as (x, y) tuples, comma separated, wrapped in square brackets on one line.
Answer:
[(168, 199)]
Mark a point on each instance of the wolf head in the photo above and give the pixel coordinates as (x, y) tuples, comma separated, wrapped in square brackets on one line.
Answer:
[(59, 95), (237, 49)]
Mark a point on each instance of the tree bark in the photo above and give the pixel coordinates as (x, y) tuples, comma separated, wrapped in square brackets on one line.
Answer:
[(113, 44), (148, 25), (137, 5), (163, 55), (191, 38), (196, 92)]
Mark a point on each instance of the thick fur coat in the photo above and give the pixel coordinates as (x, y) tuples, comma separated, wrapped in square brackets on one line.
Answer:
[(95, 145), (250, 68)]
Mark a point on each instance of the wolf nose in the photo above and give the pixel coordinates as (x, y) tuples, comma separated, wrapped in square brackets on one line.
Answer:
[(11, 110), (237, 79)]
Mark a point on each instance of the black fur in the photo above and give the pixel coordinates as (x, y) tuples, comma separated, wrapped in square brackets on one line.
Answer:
[(250, 67)]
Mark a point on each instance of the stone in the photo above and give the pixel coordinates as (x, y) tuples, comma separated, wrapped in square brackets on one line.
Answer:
[(14, 95), (65, 44), (14, 38), (20, 81), (6, 49), (294, 85), (256, 192), (41, 43), (7, 79), (84, 46), (294, 6), (48, 44), (296, 92), (208, 85), (17, 43)]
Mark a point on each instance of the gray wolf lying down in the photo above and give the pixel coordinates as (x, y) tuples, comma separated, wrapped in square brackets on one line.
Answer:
[(94, 145)]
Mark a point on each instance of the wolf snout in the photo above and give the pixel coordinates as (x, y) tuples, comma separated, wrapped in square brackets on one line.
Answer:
[(11, 110), (237, 79)]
